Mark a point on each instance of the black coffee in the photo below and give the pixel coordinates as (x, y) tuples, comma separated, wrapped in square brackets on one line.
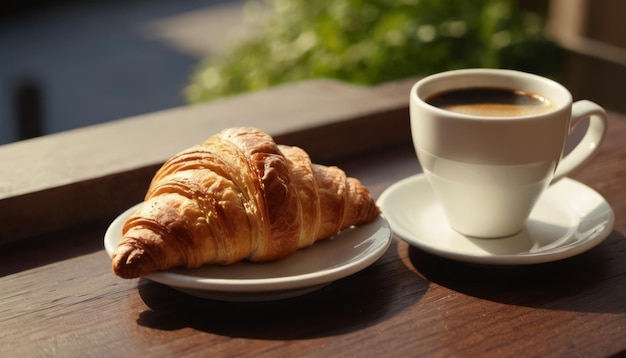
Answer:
[(491, 102)]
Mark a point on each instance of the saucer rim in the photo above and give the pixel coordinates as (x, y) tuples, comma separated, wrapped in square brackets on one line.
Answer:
[(526, 258)]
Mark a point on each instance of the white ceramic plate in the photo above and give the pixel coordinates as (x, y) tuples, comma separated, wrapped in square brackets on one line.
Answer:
[(307, 270), (569, 218)]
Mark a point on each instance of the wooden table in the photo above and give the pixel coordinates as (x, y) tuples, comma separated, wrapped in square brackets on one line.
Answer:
[(59, 296)]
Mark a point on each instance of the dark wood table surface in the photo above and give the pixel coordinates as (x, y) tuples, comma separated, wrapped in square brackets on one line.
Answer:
[(59, 296)]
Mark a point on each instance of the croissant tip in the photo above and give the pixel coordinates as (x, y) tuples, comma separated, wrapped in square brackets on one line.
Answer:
[(127, 262)]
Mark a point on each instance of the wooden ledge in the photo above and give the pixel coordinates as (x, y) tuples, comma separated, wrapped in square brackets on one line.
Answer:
[(61, 180)]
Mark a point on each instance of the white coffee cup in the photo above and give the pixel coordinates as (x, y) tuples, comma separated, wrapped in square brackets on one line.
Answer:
[(489, 171)]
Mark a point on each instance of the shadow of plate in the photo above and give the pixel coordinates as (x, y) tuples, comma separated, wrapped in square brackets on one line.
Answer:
[(350, 304)]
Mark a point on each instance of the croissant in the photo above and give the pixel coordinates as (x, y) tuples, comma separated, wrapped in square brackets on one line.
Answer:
[(238, 196)]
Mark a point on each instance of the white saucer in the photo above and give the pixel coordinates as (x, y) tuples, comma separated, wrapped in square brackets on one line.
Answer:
[(307, 270), (569, 218)]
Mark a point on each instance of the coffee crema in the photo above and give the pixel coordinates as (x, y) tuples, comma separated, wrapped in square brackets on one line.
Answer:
[(491, 102)]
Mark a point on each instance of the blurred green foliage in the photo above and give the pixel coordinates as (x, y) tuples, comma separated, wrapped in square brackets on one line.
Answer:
[(373, 41)]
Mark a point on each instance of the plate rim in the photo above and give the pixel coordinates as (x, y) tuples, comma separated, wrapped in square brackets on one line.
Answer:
[(381, 244), (565, 251)]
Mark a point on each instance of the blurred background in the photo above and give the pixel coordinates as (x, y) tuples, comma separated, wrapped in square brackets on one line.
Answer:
[(77, 63), (67, 64)]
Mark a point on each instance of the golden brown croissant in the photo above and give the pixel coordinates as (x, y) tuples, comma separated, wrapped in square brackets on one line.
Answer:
[(237, 196)]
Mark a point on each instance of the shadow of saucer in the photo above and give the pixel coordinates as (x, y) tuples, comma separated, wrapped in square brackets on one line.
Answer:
[(594, 281), (349, 304)]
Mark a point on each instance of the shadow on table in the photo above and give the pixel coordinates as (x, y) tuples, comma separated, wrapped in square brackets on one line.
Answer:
[(350, 304), (54, 247), (594, 281)]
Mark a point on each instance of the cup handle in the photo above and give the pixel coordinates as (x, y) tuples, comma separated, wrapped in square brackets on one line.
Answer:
[(590, 142)]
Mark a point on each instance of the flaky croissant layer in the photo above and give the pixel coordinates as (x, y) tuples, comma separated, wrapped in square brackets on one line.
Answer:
[(238, 196)]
